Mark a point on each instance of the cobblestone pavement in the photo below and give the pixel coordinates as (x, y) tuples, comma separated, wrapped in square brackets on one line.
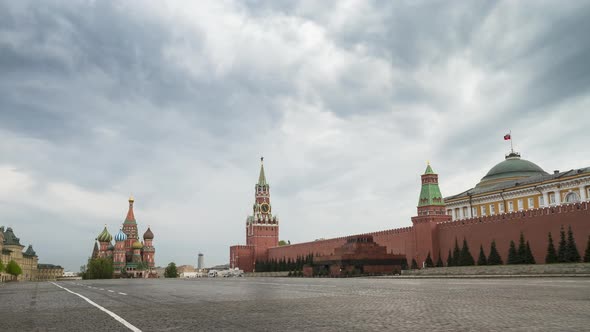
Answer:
[(293, 304)]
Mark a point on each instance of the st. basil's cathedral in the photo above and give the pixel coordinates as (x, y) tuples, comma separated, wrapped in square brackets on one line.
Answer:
[(130, 256)]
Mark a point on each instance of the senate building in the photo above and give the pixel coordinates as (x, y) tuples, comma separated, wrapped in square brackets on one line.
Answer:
[(515, 197)]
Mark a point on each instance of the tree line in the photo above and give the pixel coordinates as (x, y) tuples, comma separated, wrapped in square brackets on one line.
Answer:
[(277, 265), (567, 252)]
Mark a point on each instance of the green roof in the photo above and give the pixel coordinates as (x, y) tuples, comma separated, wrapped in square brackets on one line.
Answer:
[(430, 192), (511, 168)]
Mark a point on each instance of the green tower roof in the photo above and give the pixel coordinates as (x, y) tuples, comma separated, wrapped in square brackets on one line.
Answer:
[(430, 192)]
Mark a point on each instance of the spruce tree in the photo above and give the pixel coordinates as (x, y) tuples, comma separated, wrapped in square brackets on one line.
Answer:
[(562, 250), (586, 254), (429, 262), (512, 254), (466, 257), (551, 254), (528, 256), (414, 264), (404, 264), (450, 259), (494, 257), (521, 253), (481, 260), (572, 254), (439, 262), (456, 254)]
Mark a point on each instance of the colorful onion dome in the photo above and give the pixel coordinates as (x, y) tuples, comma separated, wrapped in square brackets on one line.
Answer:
[(137, 245), (120, 236), (148, 235), (104, 236)]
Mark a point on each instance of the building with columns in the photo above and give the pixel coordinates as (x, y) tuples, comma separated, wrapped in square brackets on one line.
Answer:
[(516, 184), (131, 257)]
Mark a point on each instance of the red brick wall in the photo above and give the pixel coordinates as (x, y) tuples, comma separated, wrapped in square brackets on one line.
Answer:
[(242, 257), (262, 237), (397, 241), (535, 224)]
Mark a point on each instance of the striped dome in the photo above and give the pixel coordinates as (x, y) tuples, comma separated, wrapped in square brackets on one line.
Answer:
[(120, 236), (104, 236), (137, 245)]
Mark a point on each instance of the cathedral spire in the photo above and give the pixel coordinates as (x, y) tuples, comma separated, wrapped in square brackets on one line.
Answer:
[(130, 216), (261, 177)]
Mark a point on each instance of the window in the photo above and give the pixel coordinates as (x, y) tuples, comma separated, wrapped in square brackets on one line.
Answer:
[(510, 206), (520, 204), (449, 212), (501, 207), (492, 209), (483, 210), (541, 201), (465, 212), (572, 197), (551, 198), (531, 204), (474, 212)]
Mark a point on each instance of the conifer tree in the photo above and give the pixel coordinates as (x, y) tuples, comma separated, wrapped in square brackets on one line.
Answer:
[(439, 262), (494, 257), (450, 259), (512, 254), (429, 262), (586, 254), (404, 264), (466, 257), (572, 254), (481, 260), (562, 250), (521, 253), (528, 256), (2, 265), (551, 256), (414, 264), (456, 254)]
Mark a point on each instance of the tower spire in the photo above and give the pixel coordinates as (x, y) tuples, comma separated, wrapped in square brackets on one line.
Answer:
[(130, 216), (261, 177)]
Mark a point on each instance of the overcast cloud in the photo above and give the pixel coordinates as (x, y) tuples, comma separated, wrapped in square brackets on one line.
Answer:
[(346, 100)]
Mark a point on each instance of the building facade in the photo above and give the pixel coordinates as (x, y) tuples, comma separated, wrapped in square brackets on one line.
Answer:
[(516, 196), (131, 257), (49, 272), (12, 250)]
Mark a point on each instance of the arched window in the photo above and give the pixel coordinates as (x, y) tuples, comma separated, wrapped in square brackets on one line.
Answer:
[(572, 197)]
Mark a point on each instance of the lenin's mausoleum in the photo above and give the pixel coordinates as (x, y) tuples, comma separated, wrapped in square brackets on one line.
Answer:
[(516, 196)]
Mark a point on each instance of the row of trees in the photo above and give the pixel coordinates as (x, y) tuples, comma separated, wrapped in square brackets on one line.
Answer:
[(276, 265), (11, 268), (567, 252)]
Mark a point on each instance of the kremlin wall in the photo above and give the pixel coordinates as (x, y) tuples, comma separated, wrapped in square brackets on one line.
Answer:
[(515, 196)]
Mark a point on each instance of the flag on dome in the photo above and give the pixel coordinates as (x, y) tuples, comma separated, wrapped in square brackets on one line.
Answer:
[(506, 137)]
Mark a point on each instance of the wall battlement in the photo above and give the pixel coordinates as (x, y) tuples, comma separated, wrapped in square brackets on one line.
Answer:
[(517, 215)]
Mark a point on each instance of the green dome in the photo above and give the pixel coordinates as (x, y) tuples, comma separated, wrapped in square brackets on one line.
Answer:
[(137, 245), (104, 236), (513, 168)]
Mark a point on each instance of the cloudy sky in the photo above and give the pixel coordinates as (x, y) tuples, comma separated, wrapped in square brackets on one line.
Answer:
[(346, 100)]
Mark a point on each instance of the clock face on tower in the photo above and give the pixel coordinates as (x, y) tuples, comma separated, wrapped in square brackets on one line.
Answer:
[(265, 207)]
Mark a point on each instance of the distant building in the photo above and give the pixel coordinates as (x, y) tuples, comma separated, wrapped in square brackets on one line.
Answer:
[(185, 268), (11, 249), (201, 262), (49, 272)]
